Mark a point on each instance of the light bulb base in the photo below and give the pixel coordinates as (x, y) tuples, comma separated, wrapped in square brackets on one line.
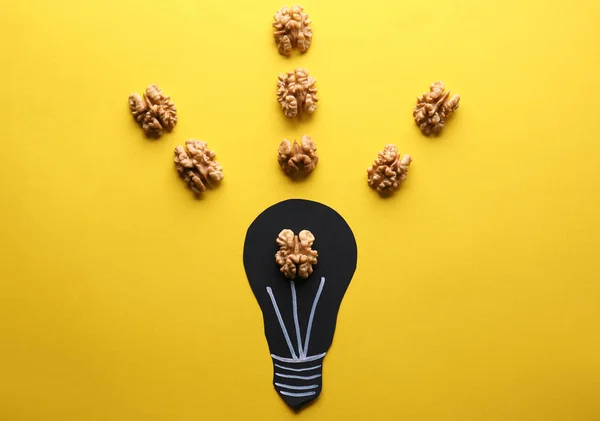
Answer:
[(298, 380)]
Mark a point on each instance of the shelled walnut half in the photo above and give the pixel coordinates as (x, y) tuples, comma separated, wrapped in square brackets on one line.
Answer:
[(295, 255), (292, 29), (297, 93), (294, 158), (434, 107), (197, 166), (154, 111), (388, 170)]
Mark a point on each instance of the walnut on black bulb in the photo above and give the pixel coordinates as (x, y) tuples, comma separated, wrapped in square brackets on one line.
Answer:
[(299, 314)]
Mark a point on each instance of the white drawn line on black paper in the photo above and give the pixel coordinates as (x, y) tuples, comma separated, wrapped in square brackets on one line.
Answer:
[(298, 369), (311, 318), (302, 351), (298, 360), (296, 395), (291, 376), (288, 386), (296, 323), (283, 329)]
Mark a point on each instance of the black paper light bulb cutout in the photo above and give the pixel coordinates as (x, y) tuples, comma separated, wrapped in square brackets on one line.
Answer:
[(300, 315)]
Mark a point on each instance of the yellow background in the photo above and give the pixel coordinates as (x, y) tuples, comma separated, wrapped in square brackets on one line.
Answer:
[(477, 293)]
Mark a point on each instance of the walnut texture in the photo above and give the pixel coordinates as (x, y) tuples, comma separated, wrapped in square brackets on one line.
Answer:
[(294, 158), (292, 29), (295, 255), (297, 93), (154, 111), (197, 166), (434, 107), (141, 113), (388, 170)]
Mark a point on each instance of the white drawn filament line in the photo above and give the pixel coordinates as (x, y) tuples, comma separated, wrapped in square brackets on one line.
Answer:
[(312, 316), (296, 323), (301, 351), (283, 329)]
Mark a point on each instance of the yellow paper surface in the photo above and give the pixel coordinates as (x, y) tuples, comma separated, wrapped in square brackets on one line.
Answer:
[(477, 293)]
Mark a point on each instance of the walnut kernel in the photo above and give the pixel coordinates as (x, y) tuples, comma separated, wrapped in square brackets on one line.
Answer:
[(197, 166), (154, 112), (388, 170), (295, 255), (434, 107), (292, 29), (296, 157), (296, 93)]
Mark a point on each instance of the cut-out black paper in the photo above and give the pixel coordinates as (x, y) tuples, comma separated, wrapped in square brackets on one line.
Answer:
[(298, 359)]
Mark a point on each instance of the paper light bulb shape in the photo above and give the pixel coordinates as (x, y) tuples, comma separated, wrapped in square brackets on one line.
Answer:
[(300, 315)]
